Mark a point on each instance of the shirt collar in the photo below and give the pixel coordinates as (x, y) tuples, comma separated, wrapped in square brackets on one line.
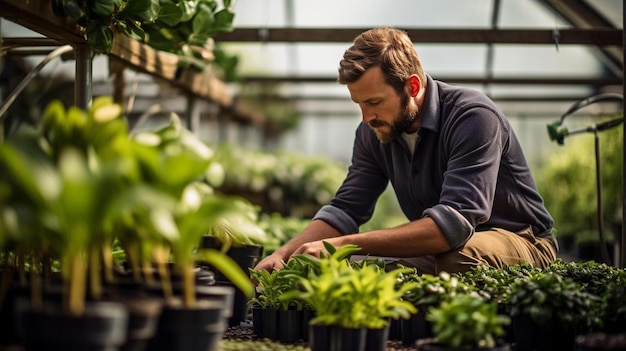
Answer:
[(430, 110)]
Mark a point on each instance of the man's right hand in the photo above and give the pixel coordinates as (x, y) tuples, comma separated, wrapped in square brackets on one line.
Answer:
[(269, 263)]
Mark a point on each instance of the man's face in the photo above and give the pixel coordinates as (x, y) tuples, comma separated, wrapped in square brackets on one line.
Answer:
[(385, 112)]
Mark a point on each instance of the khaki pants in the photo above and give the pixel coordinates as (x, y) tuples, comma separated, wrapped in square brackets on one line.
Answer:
[(495, 247)]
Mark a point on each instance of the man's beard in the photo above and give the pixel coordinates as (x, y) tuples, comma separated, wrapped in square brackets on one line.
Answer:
[(402, 123)]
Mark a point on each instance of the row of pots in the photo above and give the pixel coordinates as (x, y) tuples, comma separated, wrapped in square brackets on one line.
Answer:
[(128, 321), (291, 326)]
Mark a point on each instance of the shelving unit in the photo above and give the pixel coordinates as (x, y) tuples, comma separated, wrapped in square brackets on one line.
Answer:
[(38, 16)]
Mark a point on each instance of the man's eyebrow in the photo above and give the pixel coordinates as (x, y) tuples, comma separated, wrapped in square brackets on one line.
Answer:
[(368, 101)]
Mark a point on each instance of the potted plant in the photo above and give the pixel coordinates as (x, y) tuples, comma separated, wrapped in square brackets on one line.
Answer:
[(610, 287), (82, 178), (548, 311), (349, 302), (241, 237), (427, 291), (276, 314), (466, 322), (189, 209), (61, 177)]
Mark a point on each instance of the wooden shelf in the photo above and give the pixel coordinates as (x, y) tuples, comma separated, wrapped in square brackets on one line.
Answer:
[(37, 15)]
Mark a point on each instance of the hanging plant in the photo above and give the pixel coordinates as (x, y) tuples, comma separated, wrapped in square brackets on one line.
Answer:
[(182, 27)]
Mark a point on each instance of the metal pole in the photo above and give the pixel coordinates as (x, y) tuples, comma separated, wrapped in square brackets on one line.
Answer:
[(29, 77), (83, 81), (622, 260)]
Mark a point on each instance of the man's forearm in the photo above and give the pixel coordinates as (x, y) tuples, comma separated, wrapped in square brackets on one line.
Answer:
[(314, 231), (417, 238)]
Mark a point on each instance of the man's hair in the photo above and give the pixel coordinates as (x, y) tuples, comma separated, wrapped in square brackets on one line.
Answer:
[(389, 48)]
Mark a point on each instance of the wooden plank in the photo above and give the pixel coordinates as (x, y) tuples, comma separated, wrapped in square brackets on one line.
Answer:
[(37, 15), (143, 58), (205, 85)]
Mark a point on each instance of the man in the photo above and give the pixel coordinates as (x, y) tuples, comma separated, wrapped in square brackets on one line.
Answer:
[(455, 164)]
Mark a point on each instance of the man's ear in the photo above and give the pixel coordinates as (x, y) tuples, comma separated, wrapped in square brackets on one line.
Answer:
[(414, 82)]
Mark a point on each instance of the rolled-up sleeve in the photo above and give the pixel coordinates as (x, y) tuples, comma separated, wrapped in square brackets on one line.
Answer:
[(338, 219), (454, 226)]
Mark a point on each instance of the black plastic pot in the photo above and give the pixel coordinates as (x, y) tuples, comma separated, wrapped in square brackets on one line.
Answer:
[(395, 329), (8, 332), (223, 294), (102, 327), (144, 313), (335, 338), (551, 336), (376, 339), (246, 256), (289, 322), (267, 318), (257, 322), (198, 328), (414, 328), (307, 315)]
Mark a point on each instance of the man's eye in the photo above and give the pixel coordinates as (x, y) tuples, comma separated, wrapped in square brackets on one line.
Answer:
[(374, 103)]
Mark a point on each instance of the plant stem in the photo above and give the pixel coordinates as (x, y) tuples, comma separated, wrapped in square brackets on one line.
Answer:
[(36, 288), (107, 262), (75, 301), (20, 259), (189, 285), (95, 280)]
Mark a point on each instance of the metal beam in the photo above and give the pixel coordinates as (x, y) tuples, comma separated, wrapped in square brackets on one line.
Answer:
[(346, 98), (591, 81), (575, 36), (583, 16)]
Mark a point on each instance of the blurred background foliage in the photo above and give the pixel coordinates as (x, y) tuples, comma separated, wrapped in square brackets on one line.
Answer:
[(567, 182)]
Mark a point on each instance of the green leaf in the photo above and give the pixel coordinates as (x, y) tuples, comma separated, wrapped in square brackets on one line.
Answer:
[(202, 28), (99, 36), (224, 21), (142, 10), (169, 14), (188, 9), (73, 9), (133, 30), (103, 8)]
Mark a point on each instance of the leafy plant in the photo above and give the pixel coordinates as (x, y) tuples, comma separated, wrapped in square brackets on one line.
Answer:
[(428, 291), (196, 208), (613, 314), (467, 321), (183, 27), (495, 283), (593, 277), (350, 297), (272, 287), (80, 182), (64, 181), (279, 229), (546, 297), (299, 185), (242, 228)]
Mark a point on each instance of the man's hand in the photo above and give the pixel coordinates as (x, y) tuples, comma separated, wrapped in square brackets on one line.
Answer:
[(269, 263), (314, 248)]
